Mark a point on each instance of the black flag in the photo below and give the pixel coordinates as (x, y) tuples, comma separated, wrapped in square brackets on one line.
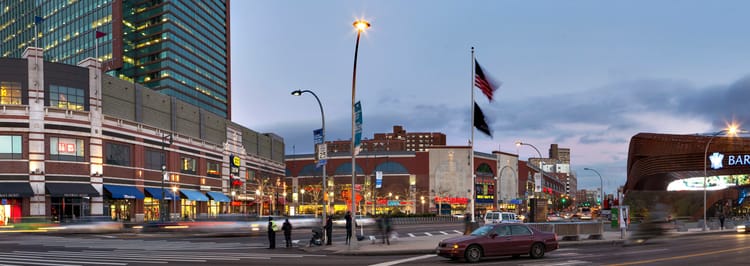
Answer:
[(480, 121)]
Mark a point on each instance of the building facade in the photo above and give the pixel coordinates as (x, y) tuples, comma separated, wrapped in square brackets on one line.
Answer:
[(398, 140), (74, 142), (180, 48), (437, 181)]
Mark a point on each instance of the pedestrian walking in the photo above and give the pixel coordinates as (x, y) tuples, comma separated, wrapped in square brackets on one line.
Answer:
[(287, 228), (271, 234), (467, 224), (348, 218), (387, 228), (329, 230)]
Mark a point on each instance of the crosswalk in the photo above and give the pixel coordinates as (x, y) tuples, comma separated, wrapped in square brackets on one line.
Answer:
[(75, 251)]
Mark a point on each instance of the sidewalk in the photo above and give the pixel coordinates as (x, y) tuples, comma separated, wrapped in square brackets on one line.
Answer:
[(427, 244)]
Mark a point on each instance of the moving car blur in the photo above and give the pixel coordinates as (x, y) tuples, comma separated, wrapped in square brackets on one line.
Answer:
[(502, 239), (361, 220), (228, 225)]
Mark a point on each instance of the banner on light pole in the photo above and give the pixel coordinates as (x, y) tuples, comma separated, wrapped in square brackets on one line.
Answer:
[(357, 127)]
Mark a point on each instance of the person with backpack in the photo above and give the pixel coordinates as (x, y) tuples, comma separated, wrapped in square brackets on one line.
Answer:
[(287, 228)]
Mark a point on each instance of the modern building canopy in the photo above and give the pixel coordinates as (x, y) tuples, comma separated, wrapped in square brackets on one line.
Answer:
[(655, 160)]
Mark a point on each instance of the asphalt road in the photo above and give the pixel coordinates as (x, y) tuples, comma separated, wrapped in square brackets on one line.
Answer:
[(33, 249)]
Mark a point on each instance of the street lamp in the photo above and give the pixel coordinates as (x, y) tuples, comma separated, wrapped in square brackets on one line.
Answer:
[(732, 130), (234, 199), (174, 202), (165, 138), (541, 170), (323, 136), (360, 25), (601, 194), (422, 199)]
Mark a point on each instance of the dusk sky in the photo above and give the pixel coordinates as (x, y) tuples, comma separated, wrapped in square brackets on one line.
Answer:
[(587, 75)]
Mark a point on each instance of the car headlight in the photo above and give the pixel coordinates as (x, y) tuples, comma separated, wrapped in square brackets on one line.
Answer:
[(741, 229), (455, 246)]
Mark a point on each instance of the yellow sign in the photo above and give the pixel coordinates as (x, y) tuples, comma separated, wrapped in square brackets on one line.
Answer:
[(236, 161)]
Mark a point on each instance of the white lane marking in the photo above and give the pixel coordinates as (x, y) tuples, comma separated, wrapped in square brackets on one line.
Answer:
[(562, 263), (427, 233), (458, 232), (443, 232), (389, 263), (411, 235)]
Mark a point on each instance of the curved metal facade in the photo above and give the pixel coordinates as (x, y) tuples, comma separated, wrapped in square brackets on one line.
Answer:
[(655, 160)]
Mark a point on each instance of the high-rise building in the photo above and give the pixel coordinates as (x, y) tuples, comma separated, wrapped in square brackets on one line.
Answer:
[(180, 48)]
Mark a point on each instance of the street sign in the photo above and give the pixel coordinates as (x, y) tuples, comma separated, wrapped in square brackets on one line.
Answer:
[(378, 179), (322, 154)]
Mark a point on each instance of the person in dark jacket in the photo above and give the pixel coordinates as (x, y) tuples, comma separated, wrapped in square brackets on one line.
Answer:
[(287, 228), (271, 234), (329, 230), (348, 218)]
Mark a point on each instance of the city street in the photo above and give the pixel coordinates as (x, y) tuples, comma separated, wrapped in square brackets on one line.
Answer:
[(725, 248)]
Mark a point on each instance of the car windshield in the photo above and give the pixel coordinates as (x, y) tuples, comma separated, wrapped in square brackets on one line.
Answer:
[(482, 231)]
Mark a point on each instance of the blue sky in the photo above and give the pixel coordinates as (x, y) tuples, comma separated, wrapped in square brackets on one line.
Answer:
[(587, 75)]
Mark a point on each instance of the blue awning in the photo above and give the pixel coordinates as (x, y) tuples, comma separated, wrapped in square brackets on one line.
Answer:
[(218, 196), (156, 193), (193, 195), (124, 192)]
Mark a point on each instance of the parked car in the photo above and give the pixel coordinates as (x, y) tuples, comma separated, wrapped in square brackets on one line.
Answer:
[(501, 217), (503, 239), (554, 217)]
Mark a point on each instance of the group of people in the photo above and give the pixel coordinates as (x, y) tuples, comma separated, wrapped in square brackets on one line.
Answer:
[(287, 228), (272, 228)]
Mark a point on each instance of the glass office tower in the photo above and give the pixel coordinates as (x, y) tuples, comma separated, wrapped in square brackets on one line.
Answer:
[(180, 48)]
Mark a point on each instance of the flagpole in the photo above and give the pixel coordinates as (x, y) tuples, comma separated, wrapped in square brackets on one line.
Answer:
[(471, 149)]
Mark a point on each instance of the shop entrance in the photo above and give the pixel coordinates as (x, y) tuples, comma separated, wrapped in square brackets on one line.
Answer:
[(69, 209)]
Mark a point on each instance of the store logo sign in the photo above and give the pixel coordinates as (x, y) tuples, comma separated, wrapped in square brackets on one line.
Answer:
[(716, 160)]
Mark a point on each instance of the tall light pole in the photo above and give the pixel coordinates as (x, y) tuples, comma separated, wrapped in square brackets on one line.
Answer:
[(541, 170), (732, 130), (601, 194), (165, 139), (360, 25), (323, 136)]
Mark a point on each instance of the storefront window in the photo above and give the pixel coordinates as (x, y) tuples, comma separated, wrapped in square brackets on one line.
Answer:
[(10, 147), (213, 208), (64, 149), (10, 93), (188, 209), (151, 209), (117, 154), (187, 165), (154, 159), (118, 210), (214, 169), (66, 97), (69, 209)]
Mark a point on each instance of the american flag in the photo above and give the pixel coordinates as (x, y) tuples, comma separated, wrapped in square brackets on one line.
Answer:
[(484, 83)]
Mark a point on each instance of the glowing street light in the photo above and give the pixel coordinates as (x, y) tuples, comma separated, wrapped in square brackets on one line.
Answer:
[(323, 136), (360, 25)]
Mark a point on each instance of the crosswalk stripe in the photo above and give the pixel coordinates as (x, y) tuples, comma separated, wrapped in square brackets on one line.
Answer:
[(444, 233), (428, 234), (411, 235)]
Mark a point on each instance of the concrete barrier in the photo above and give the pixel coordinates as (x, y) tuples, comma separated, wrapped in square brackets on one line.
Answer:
[(572, 231)]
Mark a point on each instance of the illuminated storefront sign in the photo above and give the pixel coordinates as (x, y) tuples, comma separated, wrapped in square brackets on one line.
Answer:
[(717, 160)]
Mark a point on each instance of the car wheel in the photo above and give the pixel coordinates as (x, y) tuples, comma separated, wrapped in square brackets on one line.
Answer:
[(537, 250), (473, 253)]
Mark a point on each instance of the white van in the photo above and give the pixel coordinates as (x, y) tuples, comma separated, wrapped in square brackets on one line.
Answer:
[(500, 217)]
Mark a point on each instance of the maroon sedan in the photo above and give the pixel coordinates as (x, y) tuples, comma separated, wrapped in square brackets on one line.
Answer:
[(498, 240)]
